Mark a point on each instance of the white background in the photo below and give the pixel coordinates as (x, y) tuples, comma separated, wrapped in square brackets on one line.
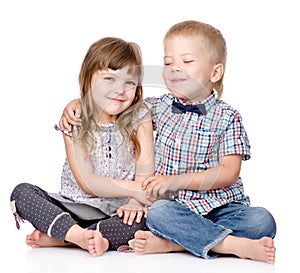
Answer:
[(43, 44)]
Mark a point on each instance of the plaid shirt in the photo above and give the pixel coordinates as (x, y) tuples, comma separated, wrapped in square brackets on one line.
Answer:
[(189, 143)]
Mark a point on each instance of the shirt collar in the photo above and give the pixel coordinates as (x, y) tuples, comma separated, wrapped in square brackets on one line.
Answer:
[(208, 102)]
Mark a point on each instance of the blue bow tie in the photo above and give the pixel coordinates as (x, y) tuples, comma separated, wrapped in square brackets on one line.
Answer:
[(178, 107)]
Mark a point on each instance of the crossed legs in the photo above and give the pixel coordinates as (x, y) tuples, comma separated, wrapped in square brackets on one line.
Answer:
[(234, 229)]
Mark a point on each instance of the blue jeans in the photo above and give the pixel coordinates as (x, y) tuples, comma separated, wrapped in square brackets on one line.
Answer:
[(198, 234)]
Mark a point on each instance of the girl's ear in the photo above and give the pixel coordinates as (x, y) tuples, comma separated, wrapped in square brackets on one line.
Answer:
[(217, 72)]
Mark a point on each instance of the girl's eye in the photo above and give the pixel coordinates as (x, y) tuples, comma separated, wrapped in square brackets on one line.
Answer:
[(131, 83), (108, 78)]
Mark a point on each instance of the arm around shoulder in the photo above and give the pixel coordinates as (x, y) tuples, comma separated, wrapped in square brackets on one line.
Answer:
[(71, 115)]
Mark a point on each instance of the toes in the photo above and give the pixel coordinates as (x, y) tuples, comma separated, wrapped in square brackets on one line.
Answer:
[(140, 234)]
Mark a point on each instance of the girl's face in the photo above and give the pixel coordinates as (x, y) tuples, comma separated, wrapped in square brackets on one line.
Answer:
[(113, 91), (187, 68)]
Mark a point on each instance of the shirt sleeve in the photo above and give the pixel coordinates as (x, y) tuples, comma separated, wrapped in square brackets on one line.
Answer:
[(235, 139), (154, 103)]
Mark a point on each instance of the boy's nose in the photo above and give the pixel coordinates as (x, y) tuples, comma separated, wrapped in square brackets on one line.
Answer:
[(176, 68)]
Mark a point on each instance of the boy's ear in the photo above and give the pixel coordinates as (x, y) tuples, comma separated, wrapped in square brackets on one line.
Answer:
[(217, 72)]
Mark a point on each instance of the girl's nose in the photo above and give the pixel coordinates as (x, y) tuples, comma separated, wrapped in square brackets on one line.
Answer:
[(119, 88)]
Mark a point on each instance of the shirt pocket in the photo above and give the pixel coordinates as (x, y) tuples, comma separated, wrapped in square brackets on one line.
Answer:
[(208, 144)]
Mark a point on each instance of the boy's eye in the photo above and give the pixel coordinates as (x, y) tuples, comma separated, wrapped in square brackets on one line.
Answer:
[(167, 63), (188, 61)]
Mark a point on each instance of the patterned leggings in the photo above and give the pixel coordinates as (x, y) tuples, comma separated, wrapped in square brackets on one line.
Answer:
[(46, 214)]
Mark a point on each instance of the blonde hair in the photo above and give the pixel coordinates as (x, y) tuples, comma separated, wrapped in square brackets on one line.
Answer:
[(210, 37), (109, 53)]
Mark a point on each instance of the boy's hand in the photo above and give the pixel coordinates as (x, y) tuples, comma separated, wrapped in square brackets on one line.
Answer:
[(158, 187), (133, 210), (71, 115)]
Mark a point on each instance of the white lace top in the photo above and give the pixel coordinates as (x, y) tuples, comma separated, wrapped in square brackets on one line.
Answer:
[(112, 157)]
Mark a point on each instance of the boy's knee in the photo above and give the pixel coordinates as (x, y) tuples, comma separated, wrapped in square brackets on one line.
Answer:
[(160, 212), (270, 224), (264, 223), (158, 207)]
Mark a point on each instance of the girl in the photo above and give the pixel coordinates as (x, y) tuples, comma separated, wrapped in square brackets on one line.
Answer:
[(105, 158)]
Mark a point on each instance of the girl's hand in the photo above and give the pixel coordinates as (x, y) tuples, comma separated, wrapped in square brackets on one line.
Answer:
[(133, 210), (138, 194)]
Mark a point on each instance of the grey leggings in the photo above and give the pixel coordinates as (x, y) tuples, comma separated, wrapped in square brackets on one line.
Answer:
[(49, 216)]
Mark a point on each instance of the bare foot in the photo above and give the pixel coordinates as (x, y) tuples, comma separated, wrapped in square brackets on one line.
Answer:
[(91, 240), (97, 245), (146, 242), (260, 250), (39, 239)]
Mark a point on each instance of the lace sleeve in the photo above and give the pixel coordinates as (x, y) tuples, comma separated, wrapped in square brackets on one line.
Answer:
[(142, 113)]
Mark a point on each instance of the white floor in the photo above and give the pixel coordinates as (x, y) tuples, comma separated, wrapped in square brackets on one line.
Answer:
[(17, 257), (71, 260), (23, 259)]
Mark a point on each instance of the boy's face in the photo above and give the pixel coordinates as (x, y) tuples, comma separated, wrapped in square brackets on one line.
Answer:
[(187, 68)]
